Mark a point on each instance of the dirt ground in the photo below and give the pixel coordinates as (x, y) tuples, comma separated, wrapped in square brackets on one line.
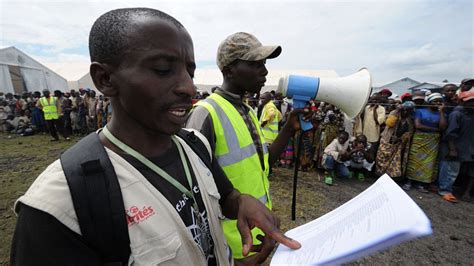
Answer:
[(452, 241), (22, 159)]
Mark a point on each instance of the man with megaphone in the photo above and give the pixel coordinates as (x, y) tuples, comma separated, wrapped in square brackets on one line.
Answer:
[(235, 132)]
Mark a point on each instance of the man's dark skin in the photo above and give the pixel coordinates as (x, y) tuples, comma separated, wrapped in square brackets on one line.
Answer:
[(466, 84), (151, 91), (436, 105), (241, 77), (452, 151), (469, 105), (46, 94), (360, 143), (375, 102), (449, 92), (250, 76)]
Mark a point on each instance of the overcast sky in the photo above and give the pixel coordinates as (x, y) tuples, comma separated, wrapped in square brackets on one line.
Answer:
[(424, 40)]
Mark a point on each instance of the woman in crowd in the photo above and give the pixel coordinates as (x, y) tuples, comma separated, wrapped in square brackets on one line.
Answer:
[(326, 132), (422, 160), (392, 155), (359, 159), (37, 117), (288, 155), (307, 150)]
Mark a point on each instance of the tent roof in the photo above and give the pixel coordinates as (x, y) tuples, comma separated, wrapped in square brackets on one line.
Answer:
[(14, 57)]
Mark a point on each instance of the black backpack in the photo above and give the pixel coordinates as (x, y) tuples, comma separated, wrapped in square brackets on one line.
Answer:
[(97, 197)]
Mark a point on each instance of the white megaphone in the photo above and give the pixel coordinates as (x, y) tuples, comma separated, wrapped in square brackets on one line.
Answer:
[(350, 93)]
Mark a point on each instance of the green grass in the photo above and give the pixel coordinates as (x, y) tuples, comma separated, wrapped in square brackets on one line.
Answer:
[(22, 159)]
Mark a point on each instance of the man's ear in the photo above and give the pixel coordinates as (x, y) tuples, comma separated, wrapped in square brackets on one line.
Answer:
[(100, 74), (227, 72)]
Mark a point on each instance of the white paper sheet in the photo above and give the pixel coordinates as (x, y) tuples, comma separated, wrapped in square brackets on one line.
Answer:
[(381, 216)]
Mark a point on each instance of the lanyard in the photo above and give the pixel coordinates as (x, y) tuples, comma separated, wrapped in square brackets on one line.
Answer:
[(124, 147)]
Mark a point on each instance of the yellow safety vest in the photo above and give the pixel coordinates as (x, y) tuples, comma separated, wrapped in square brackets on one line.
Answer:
[(270, 130), (50, 109), (236, 154)]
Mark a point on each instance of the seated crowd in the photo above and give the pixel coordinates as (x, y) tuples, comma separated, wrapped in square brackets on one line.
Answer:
[(78, 113)]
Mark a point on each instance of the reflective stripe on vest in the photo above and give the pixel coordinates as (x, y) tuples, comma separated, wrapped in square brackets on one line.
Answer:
[(270, 130), (235, 153), (50, 109), (263, 199)]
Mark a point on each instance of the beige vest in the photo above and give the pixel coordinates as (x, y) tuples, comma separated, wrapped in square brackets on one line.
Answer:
[(157, 233)]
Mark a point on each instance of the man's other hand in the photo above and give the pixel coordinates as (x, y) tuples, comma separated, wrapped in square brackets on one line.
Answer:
[(252, 213)]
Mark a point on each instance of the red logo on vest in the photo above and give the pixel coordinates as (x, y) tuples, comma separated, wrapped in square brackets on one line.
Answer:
[(136, 216)]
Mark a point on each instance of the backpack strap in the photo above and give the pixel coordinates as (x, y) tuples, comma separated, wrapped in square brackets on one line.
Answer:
[(97, 199), (196, 142)]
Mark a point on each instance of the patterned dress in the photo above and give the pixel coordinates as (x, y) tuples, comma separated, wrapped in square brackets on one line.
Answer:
[(422, 159), (392, 155)]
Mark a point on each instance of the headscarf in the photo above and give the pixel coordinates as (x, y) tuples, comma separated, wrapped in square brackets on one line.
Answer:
[(408, 104), (391, 120), (433, 96)]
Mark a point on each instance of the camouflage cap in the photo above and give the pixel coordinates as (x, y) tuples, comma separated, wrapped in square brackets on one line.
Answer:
[(244, 46)]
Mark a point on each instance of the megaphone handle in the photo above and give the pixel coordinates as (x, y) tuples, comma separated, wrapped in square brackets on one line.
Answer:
[(300, 104), (305, 125)]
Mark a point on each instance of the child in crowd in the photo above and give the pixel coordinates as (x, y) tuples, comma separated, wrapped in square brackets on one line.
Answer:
[(4, 111), (333, 158), (74, 115), (360, 160)]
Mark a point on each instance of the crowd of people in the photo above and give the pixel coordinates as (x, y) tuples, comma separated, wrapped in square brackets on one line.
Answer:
[(142, 190), (423, 141), (406, 137), (71, 113)]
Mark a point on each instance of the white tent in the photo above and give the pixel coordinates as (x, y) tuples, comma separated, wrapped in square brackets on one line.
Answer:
[(20, 73), (85, 82)]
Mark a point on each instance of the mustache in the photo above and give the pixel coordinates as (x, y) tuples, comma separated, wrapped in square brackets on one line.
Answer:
[(182, 101)]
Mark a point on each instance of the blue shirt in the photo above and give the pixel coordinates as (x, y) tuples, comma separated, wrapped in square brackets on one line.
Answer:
[(428, 117), (461, 131)]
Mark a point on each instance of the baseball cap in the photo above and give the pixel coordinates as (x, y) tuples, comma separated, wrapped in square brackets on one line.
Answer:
[(385, 91), (467, 80), (244, 46), (418, 95), (467, 84), (407, 94)]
